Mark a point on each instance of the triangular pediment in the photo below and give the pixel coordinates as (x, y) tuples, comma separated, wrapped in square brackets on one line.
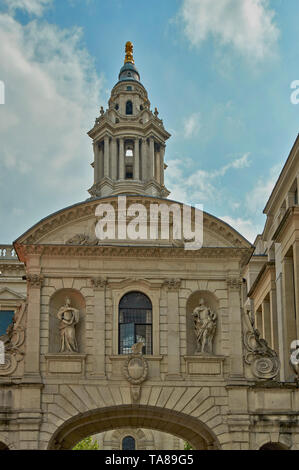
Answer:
[(75, 225), (8, 294)]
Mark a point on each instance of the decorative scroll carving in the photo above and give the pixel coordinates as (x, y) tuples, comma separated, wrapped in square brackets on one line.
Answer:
[(263, 360), (205, 323), (69, 318), (172, 284), (135, 370), (35, 280), (13, 342)]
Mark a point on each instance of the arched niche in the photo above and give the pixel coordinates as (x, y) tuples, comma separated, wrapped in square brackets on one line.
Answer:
[(56, 302), (193, 301)]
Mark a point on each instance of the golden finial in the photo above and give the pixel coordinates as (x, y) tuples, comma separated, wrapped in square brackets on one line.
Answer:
[(129, 53)]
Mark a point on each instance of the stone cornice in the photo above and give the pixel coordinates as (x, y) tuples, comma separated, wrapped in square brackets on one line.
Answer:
[(286, 220), (120, 251), (270, 265)]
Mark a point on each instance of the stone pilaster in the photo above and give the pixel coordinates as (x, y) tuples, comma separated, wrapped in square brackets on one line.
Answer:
[(32, 356), (234, 307), (99, 287), (173, 339)]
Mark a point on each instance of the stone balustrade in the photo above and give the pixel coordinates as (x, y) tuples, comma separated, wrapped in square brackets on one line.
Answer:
[(7, 252)]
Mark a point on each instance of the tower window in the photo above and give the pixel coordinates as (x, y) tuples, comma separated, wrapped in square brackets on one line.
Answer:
[(128, 443), (135, 322), (129, 107), (129, 172), (129, 88), (116, 107), (129, 153)]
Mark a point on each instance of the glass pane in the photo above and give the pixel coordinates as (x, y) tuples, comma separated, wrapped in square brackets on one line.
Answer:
[(132, 316), (126, 338), (144, 335), (135, 300), (128, 443), (5, 320)]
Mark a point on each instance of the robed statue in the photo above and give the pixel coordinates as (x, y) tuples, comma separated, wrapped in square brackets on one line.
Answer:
[(205, 327), (69, 318)]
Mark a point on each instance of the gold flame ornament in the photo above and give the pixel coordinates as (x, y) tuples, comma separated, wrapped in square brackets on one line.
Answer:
[(129, 53)]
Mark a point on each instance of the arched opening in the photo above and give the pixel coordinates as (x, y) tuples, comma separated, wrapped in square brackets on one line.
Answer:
[(128, 443), (97, 421), (135, 322), (129, 107), (273, 446)]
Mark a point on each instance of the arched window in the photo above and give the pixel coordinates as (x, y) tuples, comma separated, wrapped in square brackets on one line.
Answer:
[(128, 443), (129, 107), (135, 322)]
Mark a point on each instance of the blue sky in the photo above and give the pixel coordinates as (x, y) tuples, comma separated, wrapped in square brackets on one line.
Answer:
[(219, 72)]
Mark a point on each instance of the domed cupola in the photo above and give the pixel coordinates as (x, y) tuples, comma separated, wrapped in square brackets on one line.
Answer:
[(129, 71), (129, 140)]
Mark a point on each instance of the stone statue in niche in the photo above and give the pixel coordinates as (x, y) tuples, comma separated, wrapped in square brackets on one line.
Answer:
[(69, 318), (205, 322)]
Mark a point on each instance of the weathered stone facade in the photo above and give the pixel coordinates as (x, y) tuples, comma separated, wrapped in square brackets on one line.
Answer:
[(235, 396)]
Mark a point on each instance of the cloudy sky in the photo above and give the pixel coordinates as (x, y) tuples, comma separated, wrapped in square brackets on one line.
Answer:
[(219, 71)]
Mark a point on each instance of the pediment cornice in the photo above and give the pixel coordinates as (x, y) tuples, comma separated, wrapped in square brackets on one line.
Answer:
[(86, 210)]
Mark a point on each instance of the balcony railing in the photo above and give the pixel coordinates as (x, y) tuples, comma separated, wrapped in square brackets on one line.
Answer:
[(7, 252)]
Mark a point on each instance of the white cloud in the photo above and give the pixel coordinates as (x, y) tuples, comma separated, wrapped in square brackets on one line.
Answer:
[(191, 125), (199, 186), (257, 198), (33, 7), (52, 99), (247, 25), (245, 227)]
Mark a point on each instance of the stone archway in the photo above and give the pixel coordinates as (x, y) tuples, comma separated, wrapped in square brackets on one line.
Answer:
[(92, 422), (274, 446)]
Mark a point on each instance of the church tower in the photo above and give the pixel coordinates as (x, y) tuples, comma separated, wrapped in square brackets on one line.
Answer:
[(129, 140)]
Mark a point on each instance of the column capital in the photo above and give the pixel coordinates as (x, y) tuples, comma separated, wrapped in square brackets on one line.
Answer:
[(172, 284), (234, 283), (35, 280), (99, 283)]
